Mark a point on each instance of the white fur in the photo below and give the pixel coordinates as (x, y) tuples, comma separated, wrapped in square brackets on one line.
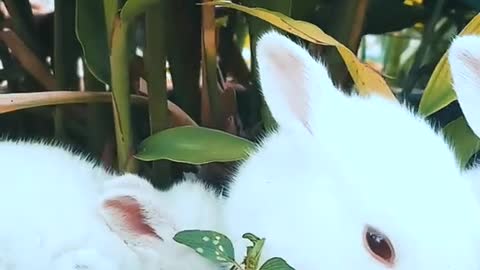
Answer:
[(54, 214), (337, 163), (464, 60)]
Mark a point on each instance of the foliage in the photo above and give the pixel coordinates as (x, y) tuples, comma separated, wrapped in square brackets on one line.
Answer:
[(166, 84), (218, 248), (195, 145), (365, 78)]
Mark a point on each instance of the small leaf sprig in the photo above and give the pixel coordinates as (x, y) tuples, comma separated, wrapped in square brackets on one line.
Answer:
[(218, 248)]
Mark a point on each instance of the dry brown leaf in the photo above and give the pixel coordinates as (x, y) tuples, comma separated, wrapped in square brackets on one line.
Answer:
[(20, 101), (28, 59)]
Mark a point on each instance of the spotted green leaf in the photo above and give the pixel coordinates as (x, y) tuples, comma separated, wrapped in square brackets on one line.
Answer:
[(209, 244), (276, 264)]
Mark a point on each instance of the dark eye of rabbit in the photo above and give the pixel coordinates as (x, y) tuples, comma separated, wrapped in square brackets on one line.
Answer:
[(379, 246)]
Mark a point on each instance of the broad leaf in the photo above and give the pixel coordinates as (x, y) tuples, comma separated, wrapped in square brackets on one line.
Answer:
[(209, 244), (366, 79), (92, 33), (276, 264), (133, 8), (439, 92), (465, 142), (194, 145)]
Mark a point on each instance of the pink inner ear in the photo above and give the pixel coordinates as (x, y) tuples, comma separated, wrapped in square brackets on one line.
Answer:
[(132, 214), (472, 62), (293, 72)]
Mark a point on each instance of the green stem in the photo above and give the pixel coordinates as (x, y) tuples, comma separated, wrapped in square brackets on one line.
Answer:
[(110, 8), (98, 122), (209, 71), (155, 60), (119, 63), (65, 56), (184, 55)]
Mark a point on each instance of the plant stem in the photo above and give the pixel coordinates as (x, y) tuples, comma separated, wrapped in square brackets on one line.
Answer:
[(65, 56), (209, 64), (155, 61), (184, 54), (119, 63), (98, 123)]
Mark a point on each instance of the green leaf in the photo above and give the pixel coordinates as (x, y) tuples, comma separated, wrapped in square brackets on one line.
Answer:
[(110, 11), (465, 142), (253, 252), (439, 92), (209, 244), (194, 145), (92, 33), (276, 264), (133, 8)]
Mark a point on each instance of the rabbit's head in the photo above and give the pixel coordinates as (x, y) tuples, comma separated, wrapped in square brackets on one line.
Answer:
[(348, 182), (145, 220)]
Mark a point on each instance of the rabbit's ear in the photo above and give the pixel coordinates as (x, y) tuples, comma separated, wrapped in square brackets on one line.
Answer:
[(129, 208), (292, 81), (464, 59)]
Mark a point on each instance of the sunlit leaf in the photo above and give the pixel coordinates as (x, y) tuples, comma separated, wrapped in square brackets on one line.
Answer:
[(439, 92), (465, 142), (194, 145), (365, 78), (209, 244), (92, 33)]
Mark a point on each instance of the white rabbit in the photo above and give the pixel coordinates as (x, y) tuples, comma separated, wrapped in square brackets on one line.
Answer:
[(348, 182), (464, 60), (61, 211)]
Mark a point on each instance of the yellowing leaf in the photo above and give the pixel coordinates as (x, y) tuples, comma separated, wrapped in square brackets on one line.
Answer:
[(365, 78), (439, 92)]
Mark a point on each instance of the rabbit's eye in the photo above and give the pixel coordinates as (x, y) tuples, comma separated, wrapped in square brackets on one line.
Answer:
[(379, 246)]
